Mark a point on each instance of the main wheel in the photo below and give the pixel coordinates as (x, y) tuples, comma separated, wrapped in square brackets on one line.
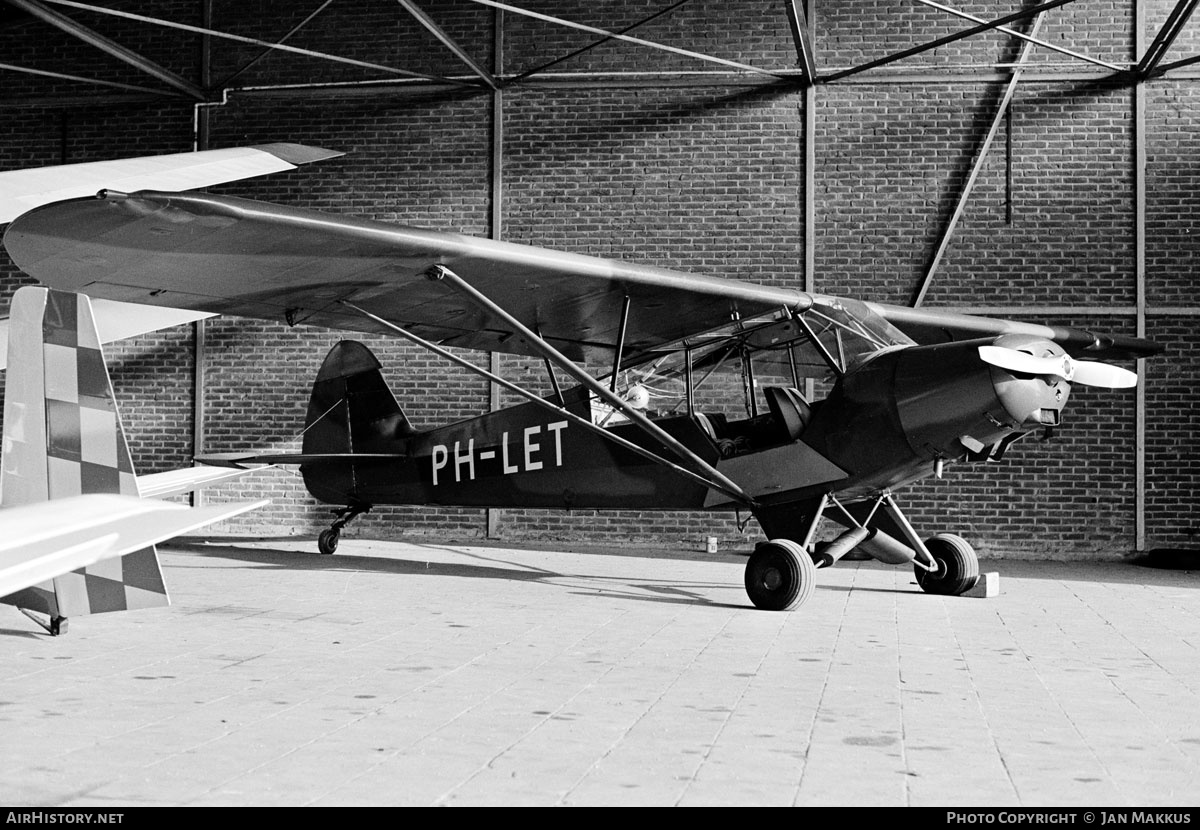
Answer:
[(780, 575), (327, 542), (958, 566)]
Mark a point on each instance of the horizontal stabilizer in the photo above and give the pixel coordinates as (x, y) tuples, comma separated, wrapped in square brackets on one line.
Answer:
[(185, 480), (42, 541), (237, 459), (22, 190), (68, 478)]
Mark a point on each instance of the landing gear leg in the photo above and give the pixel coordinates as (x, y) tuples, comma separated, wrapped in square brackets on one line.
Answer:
[(958, 566), (55, 625), (327, 542), (945, 564)]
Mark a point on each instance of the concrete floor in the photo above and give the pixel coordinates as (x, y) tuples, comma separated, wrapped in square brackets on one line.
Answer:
[(425, 674)]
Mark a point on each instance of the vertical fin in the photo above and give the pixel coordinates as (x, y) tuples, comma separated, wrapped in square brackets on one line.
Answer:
[(63, 437), (351, 410)]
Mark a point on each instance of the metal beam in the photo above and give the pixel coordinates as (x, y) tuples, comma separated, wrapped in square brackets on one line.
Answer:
[(576, 53), (199, 328), (636, 40), (493, 516), (437, 31), (77, 30), (1139, 247), (948, 233), (1170, 30), (916, 50), (810, 202), (246, 66), (802, 35), (1179, 65), (1010, 31), (294, 50), (64, 77)]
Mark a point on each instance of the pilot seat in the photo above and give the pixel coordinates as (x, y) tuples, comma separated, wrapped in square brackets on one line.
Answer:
[(790, 412)]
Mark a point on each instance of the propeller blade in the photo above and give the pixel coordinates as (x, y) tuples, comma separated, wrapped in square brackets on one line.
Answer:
[(1025, 363), (1086, 372), (1093, 373)]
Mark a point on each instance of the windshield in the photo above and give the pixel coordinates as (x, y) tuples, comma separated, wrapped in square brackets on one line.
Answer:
[(730, 365)]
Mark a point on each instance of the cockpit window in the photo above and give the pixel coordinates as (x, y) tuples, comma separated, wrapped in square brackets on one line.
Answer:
[(851, 331), (731, 364)]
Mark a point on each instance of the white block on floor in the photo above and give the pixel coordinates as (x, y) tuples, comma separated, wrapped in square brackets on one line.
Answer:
[(987, 586)]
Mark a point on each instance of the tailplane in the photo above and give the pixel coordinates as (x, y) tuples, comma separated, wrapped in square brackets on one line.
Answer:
[(63, 438)]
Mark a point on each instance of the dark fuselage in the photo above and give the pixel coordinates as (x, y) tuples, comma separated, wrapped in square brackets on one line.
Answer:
[(885, 424)]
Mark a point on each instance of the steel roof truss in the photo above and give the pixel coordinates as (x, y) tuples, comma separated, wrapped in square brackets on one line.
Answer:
[(447, 41), (576, 53), (969, 185), (1029, 38), (1170, 30), (295, 50), (64, 77), (78, 30), (629, 39), (802, 35), (245, 67), (916, 50)]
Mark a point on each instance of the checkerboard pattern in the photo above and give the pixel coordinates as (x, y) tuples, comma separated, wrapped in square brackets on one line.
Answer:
[(85, 452)]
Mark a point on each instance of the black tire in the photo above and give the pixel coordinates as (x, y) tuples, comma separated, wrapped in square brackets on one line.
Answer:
[(780, 575), (327, 542), (958, 566)]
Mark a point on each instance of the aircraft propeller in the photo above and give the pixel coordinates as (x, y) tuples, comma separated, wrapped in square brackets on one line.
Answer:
[(1087, 372)]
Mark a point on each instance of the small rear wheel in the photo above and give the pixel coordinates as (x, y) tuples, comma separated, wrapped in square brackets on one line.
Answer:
[(327, 542), (958, 566), (780, 575)]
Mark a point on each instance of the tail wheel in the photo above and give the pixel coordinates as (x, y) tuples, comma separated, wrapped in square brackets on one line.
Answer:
[(780, 575), (958, 566), (327, 542)]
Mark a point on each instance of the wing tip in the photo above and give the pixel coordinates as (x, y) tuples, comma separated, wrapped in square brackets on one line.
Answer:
[(298, 153)]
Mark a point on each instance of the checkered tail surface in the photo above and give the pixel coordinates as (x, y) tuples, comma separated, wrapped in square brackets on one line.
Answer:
[(63, 437)]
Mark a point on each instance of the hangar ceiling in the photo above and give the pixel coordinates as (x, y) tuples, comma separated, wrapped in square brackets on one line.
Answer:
[(283, 33)]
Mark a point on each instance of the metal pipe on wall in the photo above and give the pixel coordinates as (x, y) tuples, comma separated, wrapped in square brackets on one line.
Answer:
[(200, 123), (493, 515)]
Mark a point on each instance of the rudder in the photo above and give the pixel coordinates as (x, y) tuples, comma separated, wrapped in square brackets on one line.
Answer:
[(351, 410), (63, 437)]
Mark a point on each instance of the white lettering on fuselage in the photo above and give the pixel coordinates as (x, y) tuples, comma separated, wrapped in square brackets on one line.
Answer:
[(534, 455)]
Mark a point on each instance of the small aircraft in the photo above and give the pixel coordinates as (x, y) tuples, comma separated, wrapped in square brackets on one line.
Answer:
[(687, 389), (77, 526)]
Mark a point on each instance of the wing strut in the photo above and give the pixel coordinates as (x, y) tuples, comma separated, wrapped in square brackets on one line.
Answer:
[(440, 273), (736, 493)]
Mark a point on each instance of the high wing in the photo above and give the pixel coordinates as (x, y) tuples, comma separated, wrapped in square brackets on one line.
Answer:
[(252, 259), (927, 326), (22, 190)]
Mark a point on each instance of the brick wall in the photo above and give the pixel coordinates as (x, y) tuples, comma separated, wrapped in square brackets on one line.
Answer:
[(661, 167)]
